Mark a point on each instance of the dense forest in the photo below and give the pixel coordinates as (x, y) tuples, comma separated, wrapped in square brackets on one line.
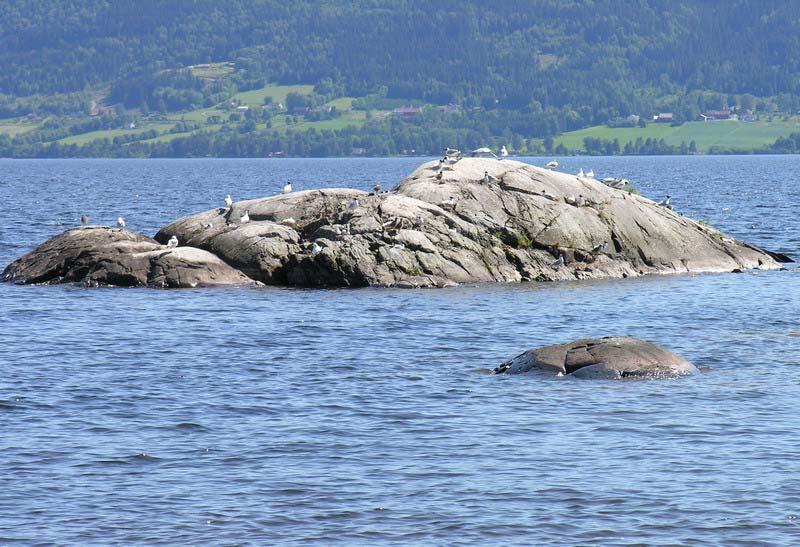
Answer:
[(528, 69)]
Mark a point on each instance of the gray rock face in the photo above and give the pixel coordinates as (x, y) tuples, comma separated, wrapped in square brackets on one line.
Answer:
[(104, 256), (613, 357), (528, 224)]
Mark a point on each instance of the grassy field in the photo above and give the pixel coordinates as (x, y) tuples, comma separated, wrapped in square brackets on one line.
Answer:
[(277, 92), (724, 134), (213, 70), (16, 127), (109, 134)]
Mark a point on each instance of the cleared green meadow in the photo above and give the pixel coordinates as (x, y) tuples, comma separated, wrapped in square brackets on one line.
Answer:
[(13, 127), (722, 134)]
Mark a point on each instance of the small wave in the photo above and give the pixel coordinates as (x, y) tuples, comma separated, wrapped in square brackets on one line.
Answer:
[(191, 426)]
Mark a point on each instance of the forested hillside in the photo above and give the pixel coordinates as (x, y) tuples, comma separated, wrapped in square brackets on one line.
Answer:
[(537, 68)]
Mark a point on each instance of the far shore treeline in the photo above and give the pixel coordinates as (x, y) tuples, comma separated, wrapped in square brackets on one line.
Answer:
[(256, 78)]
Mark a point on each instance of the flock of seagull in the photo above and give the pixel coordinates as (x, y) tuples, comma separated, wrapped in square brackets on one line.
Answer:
[(447, 163)]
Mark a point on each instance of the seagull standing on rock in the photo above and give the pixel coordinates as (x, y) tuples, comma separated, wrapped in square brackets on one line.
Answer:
[(503, 152), (666, 202), (287, 188), (600, 247), (354, 204), (590, 173), (228, 201), (173, 242), (121, 223), (551, 164), (558, 262), (245, 218), (84, 219), (377, 188), (580, 173), (315, 249), (483, 152)]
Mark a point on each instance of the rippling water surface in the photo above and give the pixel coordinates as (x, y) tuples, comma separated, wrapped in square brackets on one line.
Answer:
[(279, 416)]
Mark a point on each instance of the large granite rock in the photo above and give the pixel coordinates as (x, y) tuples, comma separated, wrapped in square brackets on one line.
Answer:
[(613, 357), (105, 256), (526, 224)]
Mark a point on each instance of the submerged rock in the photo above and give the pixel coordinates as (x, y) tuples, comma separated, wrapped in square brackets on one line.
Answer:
[(105, 256), (527, 224), (612, 357)]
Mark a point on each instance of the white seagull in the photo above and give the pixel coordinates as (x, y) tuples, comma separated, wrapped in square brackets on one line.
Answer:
[(551, 164), (448, 203), (173, 242), (590, 173), (354, 203), (666, 202), (503, 152), (580, 173), (315, 249), (600, 247), (483, 152), (228, 201), (287, 188), (121, 223), (558, 262), (245, 218), (487, 178)]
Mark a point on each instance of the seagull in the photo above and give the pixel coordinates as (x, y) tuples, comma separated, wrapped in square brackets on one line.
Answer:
[(579, 201), (287, 188), (245, 218), (551, 164), (666, 202), (452, 152), (377, 188), (448, 203), (441, 163), (121, 223), (288, 221), (439, 176), (558, 262), (353, 203), (228, 201), (590, 173), (619, 184), (208, 225), (173, 242), (483, 152), (580, 173), (315, 249), (487, 178), (503, 152), (84, 219), (600, 247)]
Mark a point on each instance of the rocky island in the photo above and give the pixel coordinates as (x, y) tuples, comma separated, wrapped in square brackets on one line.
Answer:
[(474, 220)]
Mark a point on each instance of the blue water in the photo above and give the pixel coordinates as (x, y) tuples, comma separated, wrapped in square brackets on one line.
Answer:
[(367, 417)]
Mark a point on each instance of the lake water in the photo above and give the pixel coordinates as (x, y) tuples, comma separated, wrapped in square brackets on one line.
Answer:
[(367, 417)]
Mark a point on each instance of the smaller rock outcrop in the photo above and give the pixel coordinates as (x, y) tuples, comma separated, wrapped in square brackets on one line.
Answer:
[(612, 357), (96, 256)]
